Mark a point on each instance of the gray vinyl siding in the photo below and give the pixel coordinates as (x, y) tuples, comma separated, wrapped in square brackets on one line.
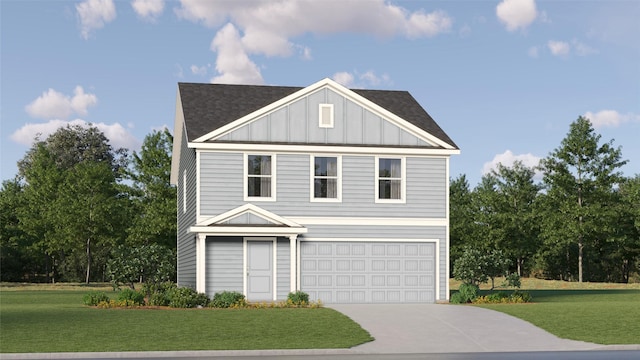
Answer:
[(186, 245), (222, 177), (298, 122), (283, 268), (224, 265)]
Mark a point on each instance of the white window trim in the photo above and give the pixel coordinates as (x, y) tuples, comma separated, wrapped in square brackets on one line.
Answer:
[(245, 176), (312, 172), (403, 181), (320, 108), (184, 192)]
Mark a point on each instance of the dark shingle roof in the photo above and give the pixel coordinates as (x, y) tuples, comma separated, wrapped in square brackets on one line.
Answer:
[(207, 107)]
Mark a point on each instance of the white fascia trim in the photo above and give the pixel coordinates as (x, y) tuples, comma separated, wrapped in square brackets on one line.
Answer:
[(323, 149), (306, 239), (263, 111), (447, 230), (386, 114), (252, 209), (362, 101), (363, 221), (247, 231)]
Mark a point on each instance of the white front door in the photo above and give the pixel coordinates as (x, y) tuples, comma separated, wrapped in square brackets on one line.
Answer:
[(259, 270)]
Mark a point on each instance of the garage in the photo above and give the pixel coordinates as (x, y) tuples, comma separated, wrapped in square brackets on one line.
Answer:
[(368, 272)]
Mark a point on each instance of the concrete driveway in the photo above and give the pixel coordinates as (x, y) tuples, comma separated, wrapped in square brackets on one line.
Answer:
[(439, 328)]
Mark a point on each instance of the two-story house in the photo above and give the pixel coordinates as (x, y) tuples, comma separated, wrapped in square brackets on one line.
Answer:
[(341, 193)]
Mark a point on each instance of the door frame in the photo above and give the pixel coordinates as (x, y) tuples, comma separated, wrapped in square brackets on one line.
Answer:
[(274, 262)]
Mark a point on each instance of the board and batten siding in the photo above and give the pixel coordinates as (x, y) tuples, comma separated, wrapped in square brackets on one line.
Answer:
[(222, 178), (297, 122), (186, 242)]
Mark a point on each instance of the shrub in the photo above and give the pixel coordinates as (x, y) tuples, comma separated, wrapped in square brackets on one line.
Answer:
[(298, 298), (185, 297), (227, 299), (456, 298), (94, 298), (468, 292), (520, 297), (159, 293), (127, 295)]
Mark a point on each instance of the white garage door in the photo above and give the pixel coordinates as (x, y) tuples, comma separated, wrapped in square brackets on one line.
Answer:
[(368, 272)]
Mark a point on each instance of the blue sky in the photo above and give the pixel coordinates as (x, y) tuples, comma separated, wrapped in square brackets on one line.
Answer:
[(503, 78)]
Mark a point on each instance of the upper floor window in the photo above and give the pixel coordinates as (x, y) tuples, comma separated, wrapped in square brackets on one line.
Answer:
[(390, 183), (260, 177), (326, 178)]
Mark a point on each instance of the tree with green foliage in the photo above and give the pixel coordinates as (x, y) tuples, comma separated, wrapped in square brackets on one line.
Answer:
[(460, 218), (155, 219), (579, 178), (477, 266), (515, 212), (151, 264), (71, 198)]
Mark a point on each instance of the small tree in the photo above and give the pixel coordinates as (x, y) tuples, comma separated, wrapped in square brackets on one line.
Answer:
[(476, 266), (151, 264)]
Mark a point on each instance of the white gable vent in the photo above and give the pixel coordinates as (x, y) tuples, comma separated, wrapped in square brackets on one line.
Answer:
[(326, 115)]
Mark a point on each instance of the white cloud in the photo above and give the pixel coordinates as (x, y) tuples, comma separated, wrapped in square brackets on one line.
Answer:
[(233, 63), (343, 78), (268, 28), (148, 9), (559, 48), (199, 70), (582, 49), (357, 80), (517, 14), (508, 158), (118, 136), (610, 118), (53, 104), (94, 14)]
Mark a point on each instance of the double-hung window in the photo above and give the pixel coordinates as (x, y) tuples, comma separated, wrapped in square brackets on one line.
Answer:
[(260, 182), (390, 179), (325, 180)]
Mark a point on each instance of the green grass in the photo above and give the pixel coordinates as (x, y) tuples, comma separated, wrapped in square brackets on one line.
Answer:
[(56, 321), (602, 316)]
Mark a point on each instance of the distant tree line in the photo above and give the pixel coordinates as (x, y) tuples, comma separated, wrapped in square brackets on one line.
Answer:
[(580, 222), (79, 209), (76, 200)]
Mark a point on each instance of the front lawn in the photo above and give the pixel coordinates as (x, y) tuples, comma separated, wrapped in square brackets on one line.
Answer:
[(56, 321), (602, 316)]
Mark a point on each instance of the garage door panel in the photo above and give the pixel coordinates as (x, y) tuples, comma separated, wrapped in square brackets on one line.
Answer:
[(361, 272)]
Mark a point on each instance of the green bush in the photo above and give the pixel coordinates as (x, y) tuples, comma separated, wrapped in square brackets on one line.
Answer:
[(184, 297), (520, 297), (227, 299), (456, 298), (93, 298), (468, 292), (298, 298), (497, 296), (127, 295), (159, 292)]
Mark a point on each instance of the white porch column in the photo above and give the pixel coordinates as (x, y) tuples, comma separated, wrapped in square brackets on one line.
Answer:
[(293, 259), (201, 267)]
